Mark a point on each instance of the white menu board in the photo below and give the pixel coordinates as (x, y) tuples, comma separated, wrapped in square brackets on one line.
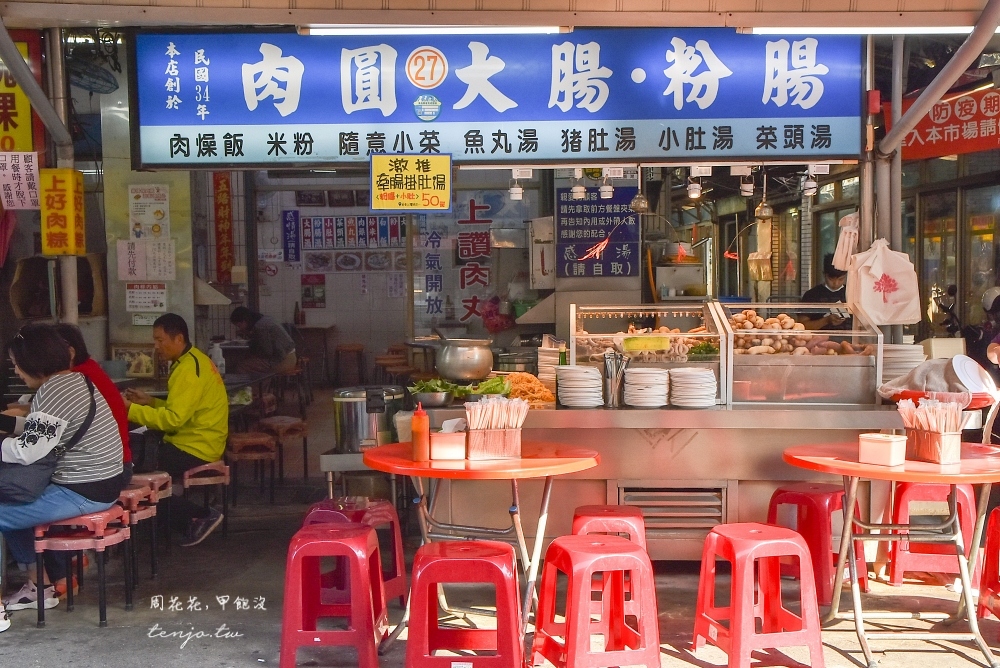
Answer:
[(19, 181), (149, 211), (146, 297), (160, 264)]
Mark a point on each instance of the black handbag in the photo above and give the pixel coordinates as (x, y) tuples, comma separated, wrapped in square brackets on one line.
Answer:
[(20, 483)]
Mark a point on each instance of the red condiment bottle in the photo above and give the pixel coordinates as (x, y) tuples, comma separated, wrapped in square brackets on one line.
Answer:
[(420, 427)]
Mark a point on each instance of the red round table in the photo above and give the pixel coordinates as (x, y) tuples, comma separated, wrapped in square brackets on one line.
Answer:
[(980, 464), (538, 460)]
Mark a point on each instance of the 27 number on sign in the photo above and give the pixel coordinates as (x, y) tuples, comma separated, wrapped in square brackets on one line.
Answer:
[(426, 67)]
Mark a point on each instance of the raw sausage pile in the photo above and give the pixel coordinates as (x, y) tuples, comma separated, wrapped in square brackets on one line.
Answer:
[(756, 335)]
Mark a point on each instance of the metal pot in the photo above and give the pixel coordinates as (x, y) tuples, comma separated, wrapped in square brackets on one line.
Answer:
[(464, 360), (525, 362), (363, 416)]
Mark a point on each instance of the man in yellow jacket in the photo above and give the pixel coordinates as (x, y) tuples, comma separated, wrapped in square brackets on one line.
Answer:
[(194, 420)]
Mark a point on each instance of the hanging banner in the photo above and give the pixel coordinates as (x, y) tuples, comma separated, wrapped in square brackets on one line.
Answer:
[(599, 95), (957, 124), (63, 231), (222, 189), (290, 235), (411, 183), (19, 127), (19, 181)]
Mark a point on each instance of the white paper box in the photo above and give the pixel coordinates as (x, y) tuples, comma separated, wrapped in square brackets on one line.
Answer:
[(882, 449), (447, 446)]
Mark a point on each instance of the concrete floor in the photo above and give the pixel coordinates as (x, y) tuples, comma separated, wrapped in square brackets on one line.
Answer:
[(249, 564)]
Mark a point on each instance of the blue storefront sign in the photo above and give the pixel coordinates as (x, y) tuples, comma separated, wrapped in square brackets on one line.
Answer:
[(290, 235), (596, 237), (592, 95)]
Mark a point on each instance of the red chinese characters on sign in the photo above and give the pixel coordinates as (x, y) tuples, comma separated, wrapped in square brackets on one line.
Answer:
[(473, 274), (472, 245), (222, 188), (963, 124), (62, 214), (473, 209), (471, 306)]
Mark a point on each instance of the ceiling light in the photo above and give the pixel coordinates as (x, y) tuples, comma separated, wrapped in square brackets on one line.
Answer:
[(746, 187), (694, 188), (639, 203), (348, 30), (516, 192), (606, 190), (860, 30), (578, 191), (809, 186), (764, 210)]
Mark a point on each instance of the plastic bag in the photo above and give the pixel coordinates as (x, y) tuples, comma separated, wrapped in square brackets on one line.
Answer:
[(883, 283)]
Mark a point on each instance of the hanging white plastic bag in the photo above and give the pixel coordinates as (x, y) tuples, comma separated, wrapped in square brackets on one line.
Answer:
[(847, 243), (883, 283)]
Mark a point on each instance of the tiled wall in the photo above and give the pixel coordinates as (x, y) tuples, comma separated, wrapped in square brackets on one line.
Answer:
[(358, 304)]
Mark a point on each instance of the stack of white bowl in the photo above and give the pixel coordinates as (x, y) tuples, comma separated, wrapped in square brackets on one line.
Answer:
[(900, 359), (693, 387), (579, 386), (548, 360), (646, 388)]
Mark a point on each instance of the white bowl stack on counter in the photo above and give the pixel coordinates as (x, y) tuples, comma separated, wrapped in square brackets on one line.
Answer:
[(579, 386), (693, 387), (548, 360), (646, 388), (900, 359)]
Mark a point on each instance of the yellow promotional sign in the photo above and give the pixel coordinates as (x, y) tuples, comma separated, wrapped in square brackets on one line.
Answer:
[(411, 182), (63, 230), (15, 111)]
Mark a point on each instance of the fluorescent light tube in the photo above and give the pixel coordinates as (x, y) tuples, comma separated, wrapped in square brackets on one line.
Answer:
[(862, 30), (348, 30)]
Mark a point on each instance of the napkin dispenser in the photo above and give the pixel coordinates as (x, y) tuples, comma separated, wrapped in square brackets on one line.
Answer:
[(449, 443), (882, 449)]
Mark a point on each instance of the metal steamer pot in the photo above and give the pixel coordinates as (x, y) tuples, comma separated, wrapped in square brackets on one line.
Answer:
[(464, 360), (363, 416)]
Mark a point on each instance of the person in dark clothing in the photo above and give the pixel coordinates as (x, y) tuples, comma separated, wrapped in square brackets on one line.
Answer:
[(833, 290), (271, 348)]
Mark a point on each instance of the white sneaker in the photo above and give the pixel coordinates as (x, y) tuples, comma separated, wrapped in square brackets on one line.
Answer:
[(27, 598), (4, 620)]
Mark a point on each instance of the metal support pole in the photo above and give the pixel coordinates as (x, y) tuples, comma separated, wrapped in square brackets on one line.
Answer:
[(867, 171), (896, 167), (67, 263)]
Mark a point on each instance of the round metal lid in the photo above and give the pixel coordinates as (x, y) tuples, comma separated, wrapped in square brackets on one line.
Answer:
[(360, 393)]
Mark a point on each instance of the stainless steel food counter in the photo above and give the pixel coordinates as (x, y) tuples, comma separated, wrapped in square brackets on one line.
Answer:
[(687, 469)]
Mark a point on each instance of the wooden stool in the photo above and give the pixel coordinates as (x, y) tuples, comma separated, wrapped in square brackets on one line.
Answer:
[(140, 502), (398, 349), (161, 483), (94, 531), (754, 551), (282, 427), (349, 359), (294, 379), (251, 446), (472, 561), (400, 375), (303, 608), (566, 644), (383, 362), (213, 474)]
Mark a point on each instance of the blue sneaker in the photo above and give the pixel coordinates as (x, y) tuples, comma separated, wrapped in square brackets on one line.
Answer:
[(200, 528)]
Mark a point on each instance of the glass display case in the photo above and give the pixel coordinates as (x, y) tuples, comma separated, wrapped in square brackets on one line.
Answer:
[(653, 335), (776, 357)]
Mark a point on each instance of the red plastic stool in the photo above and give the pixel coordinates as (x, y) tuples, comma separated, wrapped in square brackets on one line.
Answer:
[(815, 504), (140, 501), (613, 520), (94, 531), (989, 586), (464, 561), (581, 558), (374, 513), (743, 545), (215, 474), (928, 557), (303, 608)]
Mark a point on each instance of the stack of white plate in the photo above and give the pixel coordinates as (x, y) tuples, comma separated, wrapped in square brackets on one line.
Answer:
[(579, 386), (900, 359), (693, 387), (646, 388), (548, 360)]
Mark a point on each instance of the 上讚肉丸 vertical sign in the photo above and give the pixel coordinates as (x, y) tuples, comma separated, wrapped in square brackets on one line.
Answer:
[(61, 195), (223, 226), (607, 94), (411, 183)]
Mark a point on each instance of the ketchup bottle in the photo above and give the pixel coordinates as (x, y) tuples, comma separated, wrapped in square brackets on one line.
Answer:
[(420, 426)]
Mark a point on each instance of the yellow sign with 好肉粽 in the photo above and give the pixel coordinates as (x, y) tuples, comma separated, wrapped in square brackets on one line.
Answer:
[(410, 182), (61, 195)]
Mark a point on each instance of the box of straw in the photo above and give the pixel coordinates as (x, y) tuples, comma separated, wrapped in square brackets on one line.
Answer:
[(495, 428), (933, 430), (936, 447), (494, 444)]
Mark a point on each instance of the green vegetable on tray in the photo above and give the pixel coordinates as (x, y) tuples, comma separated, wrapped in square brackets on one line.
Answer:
[(704, 348), (496, 385), (441, 385)]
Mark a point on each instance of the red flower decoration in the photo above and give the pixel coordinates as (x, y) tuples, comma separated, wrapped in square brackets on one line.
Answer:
[(886, 284)]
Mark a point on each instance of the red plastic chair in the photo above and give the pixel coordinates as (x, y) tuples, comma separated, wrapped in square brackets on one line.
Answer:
[(989, 587), (756, 592), (140, 501), (303, 608), (627, 642), (928, 557), (95, 531), (161, 483), (464, 561), (612, 520), (815, 505), (214, 474), (377, 514)]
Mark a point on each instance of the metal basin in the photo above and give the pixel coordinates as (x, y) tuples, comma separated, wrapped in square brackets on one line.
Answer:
[(464, 360)]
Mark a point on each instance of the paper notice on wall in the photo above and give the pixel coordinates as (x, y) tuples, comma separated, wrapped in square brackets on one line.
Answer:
[(397, 285), (146, 297), (146, 259), (19, 181), (131, 260), (149, 211), (271, 254), (160, 260)]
